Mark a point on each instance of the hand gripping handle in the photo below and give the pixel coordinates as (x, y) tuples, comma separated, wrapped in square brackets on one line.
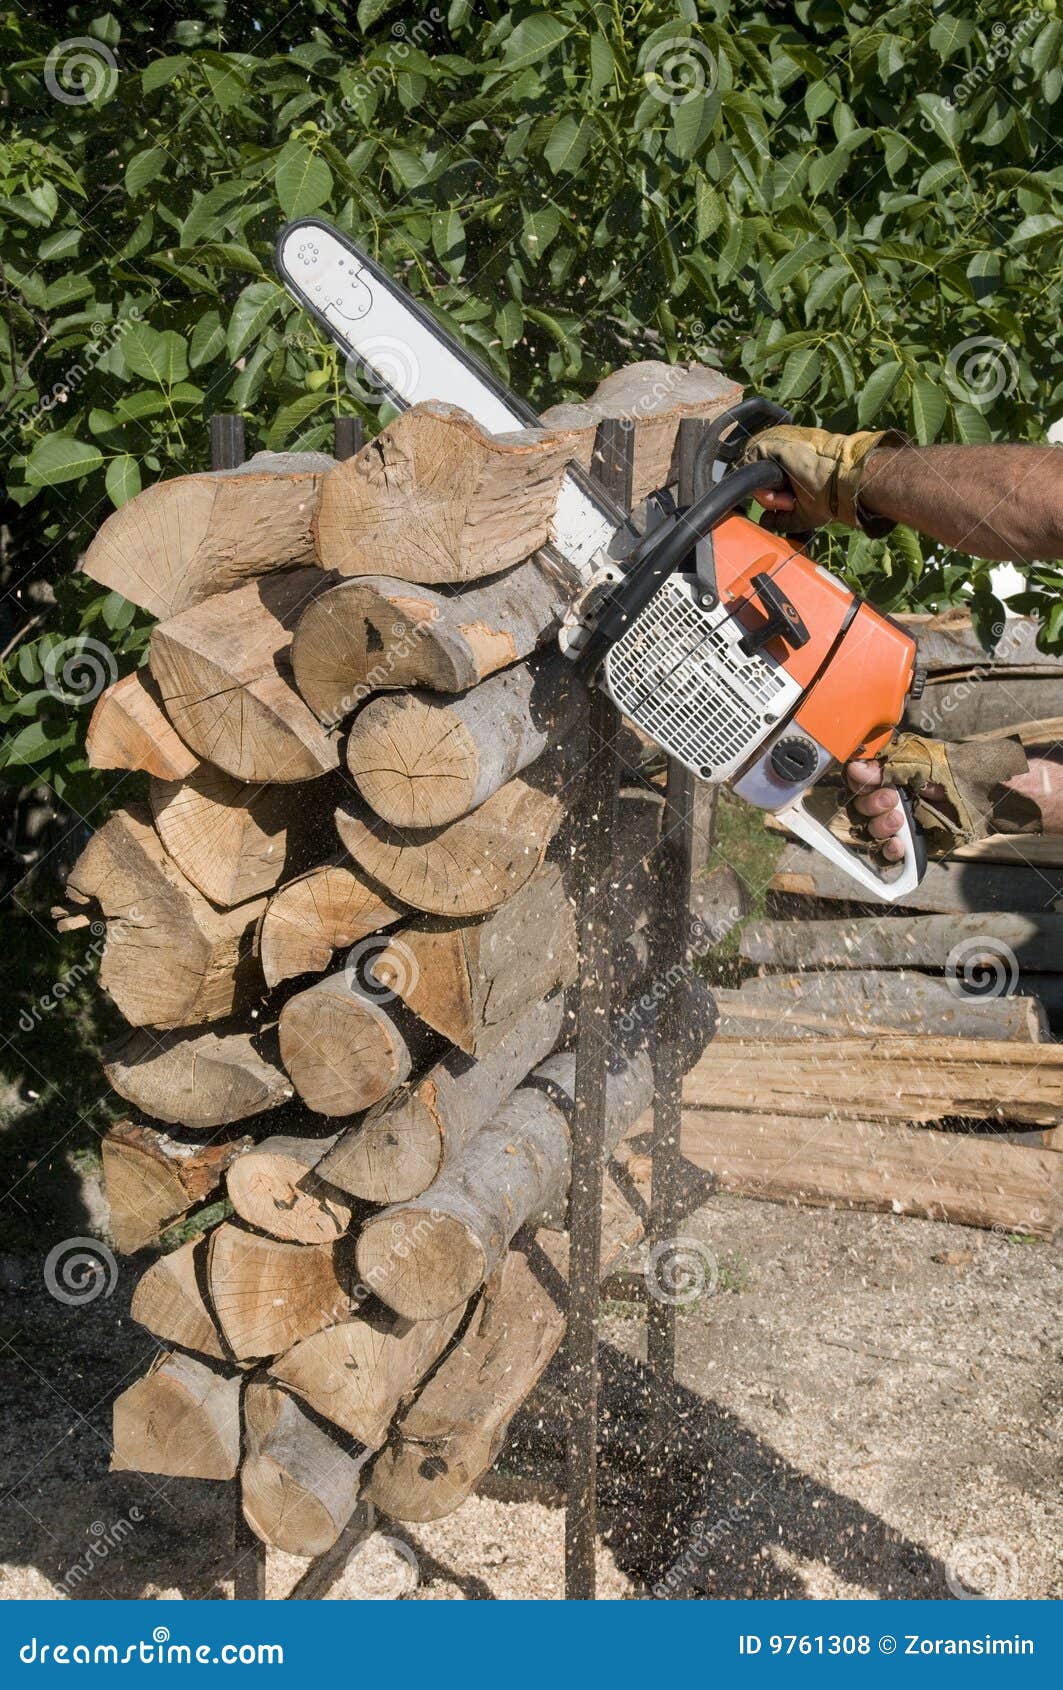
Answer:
[(815, 833)]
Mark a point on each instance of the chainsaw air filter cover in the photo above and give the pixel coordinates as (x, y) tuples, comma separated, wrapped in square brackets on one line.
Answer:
[(680, 675)]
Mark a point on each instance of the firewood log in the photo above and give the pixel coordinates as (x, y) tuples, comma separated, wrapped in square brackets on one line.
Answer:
[(945, 888), (473, 981), (298, 1485), (182, 1419), (654, 397), (994, 941), (948, 642), (170, 959), (276, 1188), (128, 730), (197, 1079), (182, 540), (170, 1301), (425, 1257), (151, 1179), (323, 911), (444, 1443), (374, 633), (224, 673), (398, 1149), (421, 761), (343, 1050), (441, 499), (968, 708), (828, 1004), (358, 1372), (468, 868), (232, 840), (267, 1294)]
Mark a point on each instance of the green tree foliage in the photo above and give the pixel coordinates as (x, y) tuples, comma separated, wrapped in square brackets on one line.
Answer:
[(853, 207)]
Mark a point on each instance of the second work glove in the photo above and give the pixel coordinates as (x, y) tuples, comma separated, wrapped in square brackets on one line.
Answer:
[(824, 471)]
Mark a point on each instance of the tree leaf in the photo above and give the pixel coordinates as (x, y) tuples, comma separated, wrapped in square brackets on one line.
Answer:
[(158, 355), (302, 180), (144, 167), (800, 371), (58, 457), (257, 305), (122, 479), (534, 38), (207, 341), (876, 390), (568, 143), (928, 407)]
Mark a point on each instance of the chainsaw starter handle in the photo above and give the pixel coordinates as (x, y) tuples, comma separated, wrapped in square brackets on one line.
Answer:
[(808, 827), (633, 593)]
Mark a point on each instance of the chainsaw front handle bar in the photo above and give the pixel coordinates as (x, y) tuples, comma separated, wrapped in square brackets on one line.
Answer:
[(633, 593)]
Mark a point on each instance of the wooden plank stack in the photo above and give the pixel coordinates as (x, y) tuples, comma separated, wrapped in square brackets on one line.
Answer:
[(340, 926), (864, 1025)]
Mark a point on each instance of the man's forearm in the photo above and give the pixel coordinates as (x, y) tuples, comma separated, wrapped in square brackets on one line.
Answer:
[(998, 502)]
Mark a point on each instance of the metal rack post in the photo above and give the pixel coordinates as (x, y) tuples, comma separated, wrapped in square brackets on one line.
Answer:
[(671, 954), (612, 465)]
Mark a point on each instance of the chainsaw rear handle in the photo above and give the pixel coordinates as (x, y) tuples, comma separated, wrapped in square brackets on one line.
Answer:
[(632, 594), (801, 822)]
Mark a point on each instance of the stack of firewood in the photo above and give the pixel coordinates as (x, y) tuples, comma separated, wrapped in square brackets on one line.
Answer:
[(341, 929), (865, 1025)]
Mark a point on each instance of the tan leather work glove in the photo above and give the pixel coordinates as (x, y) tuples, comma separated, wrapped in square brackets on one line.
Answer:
[(824, 471)]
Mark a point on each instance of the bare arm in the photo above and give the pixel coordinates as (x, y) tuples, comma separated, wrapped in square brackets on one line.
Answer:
[(997, 502)]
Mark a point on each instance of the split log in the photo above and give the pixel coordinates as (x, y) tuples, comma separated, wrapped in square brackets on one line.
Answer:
[(267, 1295), (356, 1374), (151, 1179), (654, 397), (968, 707), (441, 499), (948, 642), (197, 1079), (821, 1005), (855, 1164), (170, 959), (128, 730), (426, 1257), (470, 867), (375, 633), (890, 1078), (980, 948), (946, 887), (326, 910), (341, 1047), (398, 1149), (224, 673), (473, 981), (1029, 850), (298, 1486), (454, 1430), (170, 1300), (182, 1419), (180, 541), (275, 1187), (231, 840), (421, 761)]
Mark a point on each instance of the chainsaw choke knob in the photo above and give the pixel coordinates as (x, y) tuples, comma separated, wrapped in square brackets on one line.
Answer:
[(918, 686), (794, 759)]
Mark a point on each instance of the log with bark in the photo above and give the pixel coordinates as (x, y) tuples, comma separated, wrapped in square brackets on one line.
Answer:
[(198, 1079), (342, 1047), (182, 1419), (326, 910), (128, 730), (181, 541), (984, 948), (946, 887), (152, 1179), (171, 1301), (298, 1485), (277, 1188), (825, 1004), (267, 1294), (232, 840)]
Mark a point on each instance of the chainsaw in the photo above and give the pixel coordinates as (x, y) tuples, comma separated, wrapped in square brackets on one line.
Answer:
[(731, 650)]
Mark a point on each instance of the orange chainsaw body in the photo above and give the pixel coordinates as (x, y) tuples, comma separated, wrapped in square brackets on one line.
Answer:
[(855, 670)]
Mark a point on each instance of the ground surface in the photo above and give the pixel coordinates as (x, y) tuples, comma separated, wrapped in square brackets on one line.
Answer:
[(859, 1419)]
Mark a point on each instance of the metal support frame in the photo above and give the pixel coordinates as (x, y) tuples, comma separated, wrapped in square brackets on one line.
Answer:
[(612, 466), (671, 953)]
